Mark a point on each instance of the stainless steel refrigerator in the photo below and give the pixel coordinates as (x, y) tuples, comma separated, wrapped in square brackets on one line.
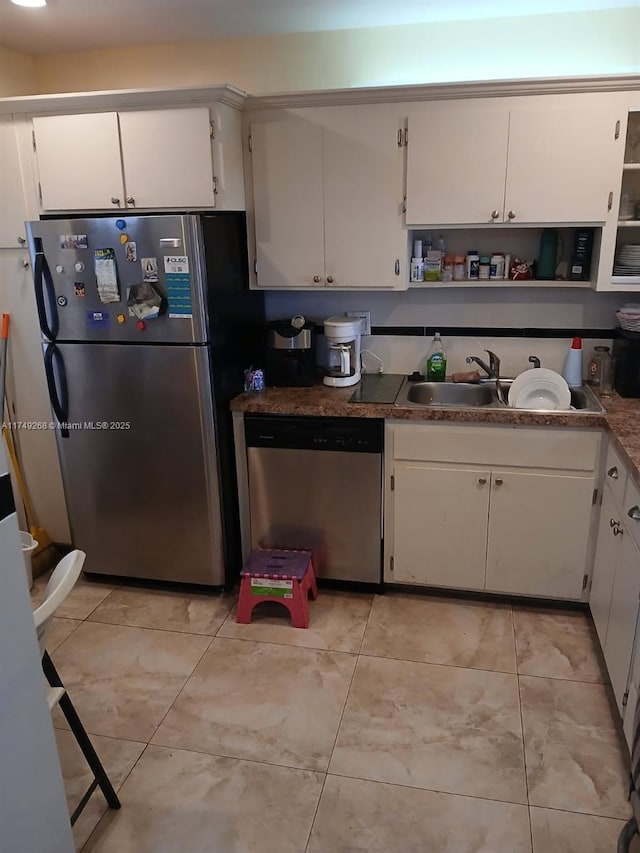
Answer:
[(147, 325)]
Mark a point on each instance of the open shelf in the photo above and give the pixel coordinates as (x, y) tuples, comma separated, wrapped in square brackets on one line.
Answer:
[(625, 279), (628, 223), (631, 167), (531, 282)]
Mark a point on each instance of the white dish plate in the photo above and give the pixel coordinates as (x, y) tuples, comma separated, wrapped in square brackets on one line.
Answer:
[(540, 388)]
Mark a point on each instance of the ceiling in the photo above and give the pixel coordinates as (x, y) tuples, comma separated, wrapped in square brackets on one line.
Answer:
[(75, 25)]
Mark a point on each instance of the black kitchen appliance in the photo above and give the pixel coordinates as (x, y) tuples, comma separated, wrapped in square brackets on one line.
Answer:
[(626, 352), (291, 353)]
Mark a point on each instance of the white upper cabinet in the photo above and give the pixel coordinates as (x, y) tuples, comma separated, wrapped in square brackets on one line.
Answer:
[(79, 163), (166, 156), (288, 204), (456, 165), (561, 163), (327, 196), (142, 159), (471, 162), (365, 244), (13, 208)]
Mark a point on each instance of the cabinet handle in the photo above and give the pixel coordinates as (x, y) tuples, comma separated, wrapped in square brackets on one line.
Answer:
[(131, 200), (634, 513), (498, 481), (329, 279), (482, 481), (22, 240), (397, 266), (612, 522), (495, 214), (317, 279), (613, 472), (115, 200), (617, 530), (610, 201), (511, 214)]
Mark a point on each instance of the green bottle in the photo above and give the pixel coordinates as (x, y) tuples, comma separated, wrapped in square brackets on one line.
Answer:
[(436, 360)]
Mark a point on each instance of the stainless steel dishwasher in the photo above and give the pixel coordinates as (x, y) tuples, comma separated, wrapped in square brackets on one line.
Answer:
[(316, 483)]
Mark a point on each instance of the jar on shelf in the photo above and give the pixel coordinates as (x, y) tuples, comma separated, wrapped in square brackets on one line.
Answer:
[(496, 270), (459, 268), (485, 266), (601, 369), (447, 268)]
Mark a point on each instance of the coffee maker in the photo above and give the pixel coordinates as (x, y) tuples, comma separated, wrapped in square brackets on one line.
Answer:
[(291, 359), (343, 351)]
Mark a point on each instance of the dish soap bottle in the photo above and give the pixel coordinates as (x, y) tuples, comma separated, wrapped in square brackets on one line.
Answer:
[(572, 370), (436, 367)]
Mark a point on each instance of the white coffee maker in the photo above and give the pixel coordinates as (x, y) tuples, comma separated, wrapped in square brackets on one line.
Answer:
[(343, 351)]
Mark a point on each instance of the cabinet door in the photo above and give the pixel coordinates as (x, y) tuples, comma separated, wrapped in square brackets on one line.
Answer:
[(538, 533), (13, 209), (623, 615), (604, 567), (561, 163), (456, 165), (166, 156), (288, 206), (440, 526), (365, 242), (79, 162)]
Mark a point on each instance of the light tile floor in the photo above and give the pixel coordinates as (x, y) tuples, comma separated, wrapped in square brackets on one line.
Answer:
[(395, 723)]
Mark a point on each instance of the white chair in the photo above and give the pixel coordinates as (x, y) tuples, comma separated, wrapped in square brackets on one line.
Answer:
[(61, 582)]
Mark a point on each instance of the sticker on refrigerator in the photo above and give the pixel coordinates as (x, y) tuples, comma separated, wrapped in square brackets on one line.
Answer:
[(104, 261), (73, 241), (149, 270), (179, 295), (98, 319), (177, 264), (78, 288), (131, 253)]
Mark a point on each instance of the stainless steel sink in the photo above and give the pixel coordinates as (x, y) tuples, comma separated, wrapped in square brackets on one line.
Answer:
[(450, 394), (463, 395)]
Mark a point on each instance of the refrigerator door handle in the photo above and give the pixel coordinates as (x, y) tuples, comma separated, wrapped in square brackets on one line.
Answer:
[(54, 363), (43, 284)]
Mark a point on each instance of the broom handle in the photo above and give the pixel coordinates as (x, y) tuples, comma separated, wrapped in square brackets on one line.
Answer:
[(22, 488)]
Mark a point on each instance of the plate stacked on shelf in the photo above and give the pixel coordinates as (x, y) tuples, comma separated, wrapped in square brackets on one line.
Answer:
[(629, 317), (627, 260), (540, 389)]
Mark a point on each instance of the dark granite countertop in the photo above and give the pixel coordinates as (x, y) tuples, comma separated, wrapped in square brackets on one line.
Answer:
[(621, 420)]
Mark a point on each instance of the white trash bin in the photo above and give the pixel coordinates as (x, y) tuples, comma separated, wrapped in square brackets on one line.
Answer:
[(28, 544)]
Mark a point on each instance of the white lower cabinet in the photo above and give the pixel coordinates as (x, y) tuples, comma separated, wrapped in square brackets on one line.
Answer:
[(431, 547), (615, 586), (491, 525), (538, 533), (623, 615)]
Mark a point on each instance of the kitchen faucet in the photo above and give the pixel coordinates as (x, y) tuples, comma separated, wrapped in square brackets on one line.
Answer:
[(492, 370)]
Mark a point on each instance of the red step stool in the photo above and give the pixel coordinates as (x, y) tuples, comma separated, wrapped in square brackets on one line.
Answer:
[(275, 575)]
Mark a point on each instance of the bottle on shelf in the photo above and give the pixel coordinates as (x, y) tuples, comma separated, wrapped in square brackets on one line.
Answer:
[(436, 365), (442, 246), (473, 265)]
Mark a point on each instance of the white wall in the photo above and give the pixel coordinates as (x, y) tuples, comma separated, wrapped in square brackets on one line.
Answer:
[(33, 808), (599, 42), (485, 308), (17, 73)]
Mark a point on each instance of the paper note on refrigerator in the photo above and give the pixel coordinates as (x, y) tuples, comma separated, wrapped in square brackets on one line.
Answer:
[(104, 261)]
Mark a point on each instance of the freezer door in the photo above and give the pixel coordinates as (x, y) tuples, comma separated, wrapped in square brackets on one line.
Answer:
[(139, 463), (85, 269)]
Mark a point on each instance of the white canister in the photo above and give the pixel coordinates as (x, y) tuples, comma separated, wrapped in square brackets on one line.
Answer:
[(496, 270)]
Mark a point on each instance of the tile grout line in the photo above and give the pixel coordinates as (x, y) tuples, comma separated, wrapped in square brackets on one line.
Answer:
[(366, 624), (524, 750), (164, 716), (335, 740), (108, 810)]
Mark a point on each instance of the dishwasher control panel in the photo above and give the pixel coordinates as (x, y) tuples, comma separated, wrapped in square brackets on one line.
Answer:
[(349, 435)]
